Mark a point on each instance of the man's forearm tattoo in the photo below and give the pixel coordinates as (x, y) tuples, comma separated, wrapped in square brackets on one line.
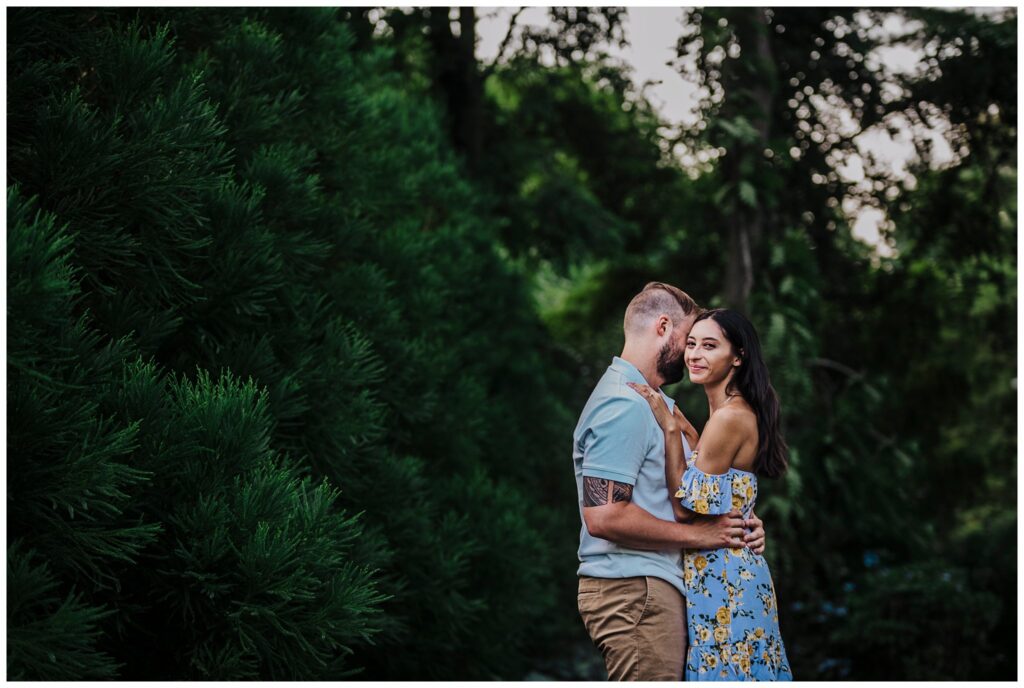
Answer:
[(598, 491)]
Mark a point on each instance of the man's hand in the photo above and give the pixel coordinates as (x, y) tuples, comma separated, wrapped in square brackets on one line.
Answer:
[(716, 532), (755, 538)]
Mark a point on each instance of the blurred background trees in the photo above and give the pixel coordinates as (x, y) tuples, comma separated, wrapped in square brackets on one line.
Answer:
[(303, 305)]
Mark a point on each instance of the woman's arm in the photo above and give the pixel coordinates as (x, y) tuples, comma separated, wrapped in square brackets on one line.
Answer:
[(689, 431), (675, 477), (675, 464), (674, 459)]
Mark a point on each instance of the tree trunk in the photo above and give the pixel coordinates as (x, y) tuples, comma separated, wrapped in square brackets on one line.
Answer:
[(470, 119), (750, 85), (457, 77)]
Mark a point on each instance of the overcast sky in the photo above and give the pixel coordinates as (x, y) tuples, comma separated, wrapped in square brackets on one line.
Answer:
[(652, 33)]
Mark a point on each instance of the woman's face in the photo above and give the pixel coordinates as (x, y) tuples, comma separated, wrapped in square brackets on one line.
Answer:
[(709, 355)]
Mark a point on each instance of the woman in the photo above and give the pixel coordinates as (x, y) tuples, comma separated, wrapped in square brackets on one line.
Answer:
[(732, 614)]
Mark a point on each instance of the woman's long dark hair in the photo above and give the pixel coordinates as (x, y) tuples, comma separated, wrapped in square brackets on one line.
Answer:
[(751, 380)]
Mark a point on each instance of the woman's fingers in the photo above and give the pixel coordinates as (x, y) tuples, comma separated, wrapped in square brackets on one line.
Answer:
[(644, 391), (639, 389)]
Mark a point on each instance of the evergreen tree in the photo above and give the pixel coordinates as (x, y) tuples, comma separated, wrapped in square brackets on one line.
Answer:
[(249, 575), (305, 295)]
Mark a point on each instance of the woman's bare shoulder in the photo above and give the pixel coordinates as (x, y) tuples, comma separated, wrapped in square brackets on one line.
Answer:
[(735, 426), (735, 417)]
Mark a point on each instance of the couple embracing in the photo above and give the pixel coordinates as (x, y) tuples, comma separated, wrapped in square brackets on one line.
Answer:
[(672, 583)]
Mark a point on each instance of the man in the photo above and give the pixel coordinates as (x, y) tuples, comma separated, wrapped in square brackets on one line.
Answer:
[(631, 593)]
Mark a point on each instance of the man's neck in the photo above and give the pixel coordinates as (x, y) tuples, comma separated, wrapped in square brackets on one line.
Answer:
[(645, 363)]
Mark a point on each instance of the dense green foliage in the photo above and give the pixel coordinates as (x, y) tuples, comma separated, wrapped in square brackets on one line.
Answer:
[(303, 303), (273, 395)]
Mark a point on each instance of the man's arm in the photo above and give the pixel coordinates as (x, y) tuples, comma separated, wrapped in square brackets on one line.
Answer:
[(610, 514)]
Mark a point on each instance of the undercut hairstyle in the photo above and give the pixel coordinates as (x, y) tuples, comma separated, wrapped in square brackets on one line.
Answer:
[(657, 298)]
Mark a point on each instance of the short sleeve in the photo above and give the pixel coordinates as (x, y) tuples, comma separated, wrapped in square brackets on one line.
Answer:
[(703, 493), (615, 440)]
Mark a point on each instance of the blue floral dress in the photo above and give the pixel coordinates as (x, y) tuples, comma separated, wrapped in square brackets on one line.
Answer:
[(731, 611)]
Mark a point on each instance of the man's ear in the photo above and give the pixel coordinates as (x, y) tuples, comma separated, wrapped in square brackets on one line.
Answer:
[(664, 325)]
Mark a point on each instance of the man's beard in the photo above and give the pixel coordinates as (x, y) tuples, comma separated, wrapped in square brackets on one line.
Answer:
[(671, 365)]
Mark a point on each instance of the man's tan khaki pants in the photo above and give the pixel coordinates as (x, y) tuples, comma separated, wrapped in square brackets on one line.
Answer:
[(639, 624)]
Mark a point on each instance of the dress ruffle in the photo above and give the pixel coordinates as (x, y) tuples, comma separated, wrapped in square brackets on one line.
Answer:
[(755, 660), (706, 494)]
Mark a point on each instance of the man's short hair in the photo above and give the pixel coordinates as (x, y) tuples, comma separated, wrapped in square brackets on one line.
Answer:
[(653, 300)]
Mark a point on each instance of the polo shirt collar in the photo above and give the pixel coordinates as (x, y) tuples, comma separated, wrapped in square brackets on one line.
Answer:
[(632, 374)]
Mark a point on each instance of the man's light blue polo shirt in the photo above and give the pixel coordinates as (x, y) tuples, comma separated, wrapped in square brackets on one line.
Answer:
[(618, 438)]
